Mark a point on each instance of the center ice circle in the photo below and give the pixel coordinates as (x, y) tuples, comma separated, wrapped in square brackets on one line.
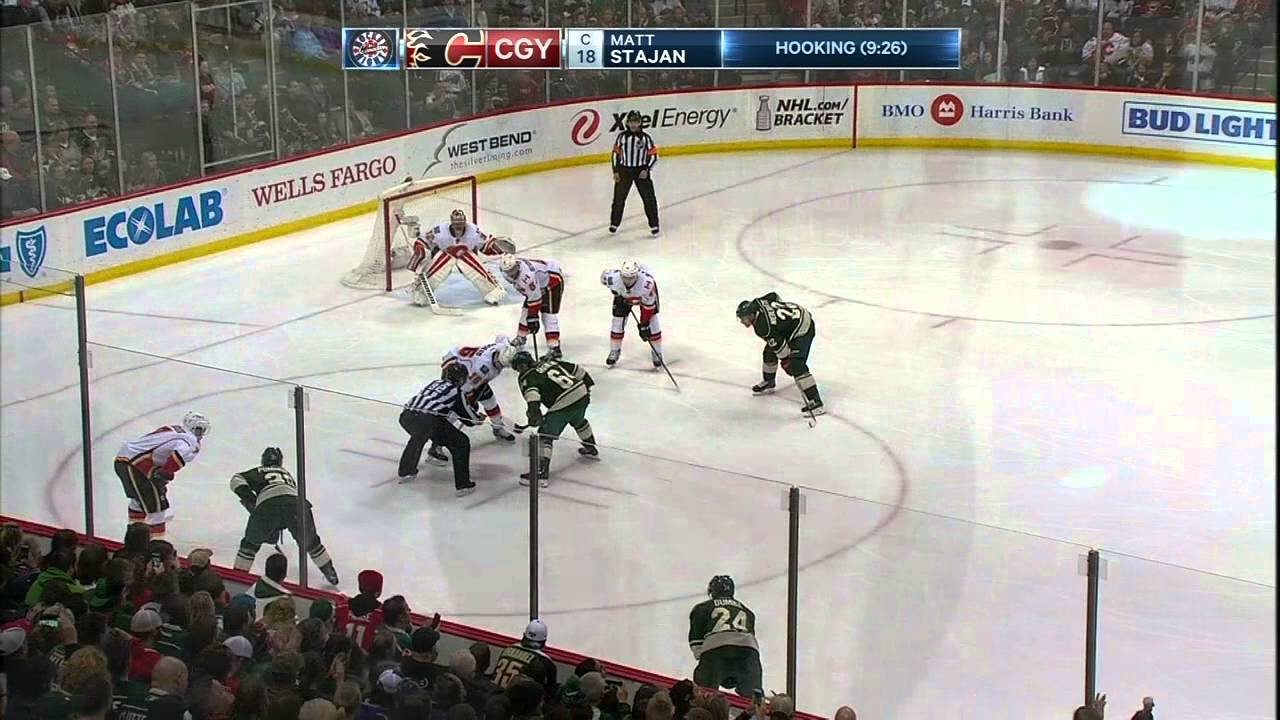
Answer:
[(1103, 253)]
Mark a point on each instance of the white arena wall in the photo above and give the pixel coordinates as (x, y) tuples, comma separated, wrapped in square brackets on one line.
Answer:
[(136, 233)]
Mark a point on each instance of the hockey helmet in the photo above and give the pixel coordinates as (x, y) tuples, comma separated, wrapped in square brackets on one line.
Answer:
[(721, 586), (507, 355), (508, 264), (521, 361), (455, 373), (196, 424), (747, 309), (272, 457), (535, 634), (630, 270)]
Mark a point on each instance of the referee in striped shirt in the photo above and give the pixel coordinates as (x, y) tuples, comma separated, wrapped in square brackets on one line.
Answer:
[(634, 155), (437, 414)]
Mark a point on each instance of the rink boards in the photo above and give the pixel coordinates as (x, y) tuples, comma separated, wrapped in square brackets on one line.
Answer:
[(124, 236)]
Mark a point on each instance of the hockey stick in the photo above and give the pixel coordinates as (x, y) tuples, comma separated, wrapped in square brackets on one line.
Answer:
[(813, 419), (421, 279), (661, 360)]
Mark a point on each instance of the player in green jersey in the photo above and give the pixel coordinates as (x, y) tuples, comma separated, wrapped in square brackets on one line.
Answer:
[(722, 635), (270, 494), (788, 331), (565, 390)]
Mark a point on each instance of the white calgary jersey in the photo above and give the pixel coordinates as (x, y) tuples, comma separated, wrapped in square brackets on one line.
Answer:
[(169, 448), (481, 363), (534, 277), (441, 236), (643, 292)]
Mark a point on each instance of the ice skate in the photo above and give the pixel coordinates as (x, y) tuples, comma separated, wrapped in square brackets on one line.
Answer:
[(764, 387), (613, 358)]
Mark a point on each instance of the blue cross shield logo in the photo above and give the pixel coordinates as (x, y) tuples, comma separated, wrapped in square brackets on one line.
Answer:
[(31, 247)]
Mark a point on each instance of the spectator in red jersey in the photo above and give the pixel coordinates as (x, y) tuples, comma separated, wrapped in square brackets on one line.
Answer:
[(142, 657), (361, 616)]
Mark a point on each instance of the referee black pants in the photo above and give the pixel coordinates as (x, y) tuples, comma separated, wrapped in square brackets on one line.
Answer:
[(424, 428), (622, 188)]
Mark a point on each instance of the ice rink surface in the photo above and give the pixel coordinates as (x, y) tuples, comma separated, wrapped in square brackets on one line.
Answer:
[(1023, 357)]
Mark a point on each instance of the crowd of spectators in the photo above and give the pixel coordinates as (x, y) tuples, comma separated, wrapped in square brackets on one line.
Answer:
[(90, 635), (161, 64), (86, 634)]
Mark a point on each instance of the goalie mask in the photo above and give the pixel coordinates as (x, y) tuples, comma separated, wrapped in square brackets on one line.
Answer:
[(458, 222)]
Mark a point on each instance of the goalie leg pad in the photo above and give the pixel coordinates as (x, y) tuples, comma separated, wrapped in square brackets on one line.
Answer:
[(440, 269), (472, 270)]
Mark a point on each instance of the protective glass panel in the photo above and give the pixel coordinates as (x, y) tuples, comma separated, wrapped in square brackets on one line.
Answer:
[(1201, 643), (40, 457), (632, 540), (376, 100), (77, 129), (21, 194), (465, 558), (156, 95), (135, 396), (309, 82), (903, 610), (235, 93)]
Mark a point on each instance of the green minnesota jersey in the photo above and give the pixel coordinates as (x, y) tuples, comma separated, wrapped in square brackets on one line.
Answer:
[(719, 622), (257, 485), (554, 383), (778, 323)]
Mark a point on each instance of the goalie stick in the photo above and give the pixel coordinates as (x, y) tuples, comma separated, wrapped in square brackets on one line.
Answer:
[(661, 360), (420, 279)]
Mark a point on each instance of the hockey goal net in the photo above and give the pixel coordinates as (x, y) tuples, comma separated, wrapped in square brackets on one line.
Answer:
[(430, 201)]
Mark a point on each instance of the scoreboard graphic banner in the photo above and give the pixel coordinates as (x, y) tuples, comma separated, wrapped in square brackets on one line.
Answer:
[(642, 48)]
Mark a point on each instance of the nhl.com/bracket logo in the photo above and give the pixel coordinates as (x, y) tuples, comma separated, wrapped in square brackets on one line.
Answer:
[(585, 126)]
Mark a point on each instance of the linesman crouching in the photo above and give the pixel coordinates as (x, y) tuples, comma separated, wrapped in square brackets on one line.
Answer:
[(270, 494)]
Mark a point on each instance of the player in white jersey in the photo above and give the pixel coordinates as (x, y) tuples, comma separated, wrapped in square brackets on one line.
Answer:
[(455, 245), (147, 465), (633, 284), (542, 286), (483, 365)]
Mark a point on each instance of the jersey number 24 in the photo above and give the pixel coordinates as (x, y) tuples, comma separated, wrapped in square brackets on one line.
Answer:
[(727, 619)]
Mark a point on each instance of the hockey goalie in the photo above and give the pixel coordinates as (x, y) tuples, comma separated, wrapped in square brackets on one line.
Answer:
[(457, 245)]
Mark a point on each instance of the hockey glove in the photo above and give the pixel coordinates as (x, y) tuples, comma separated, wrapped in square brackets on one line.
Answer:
[(519, 341), (588, 380), (160, 477), (535, 416), (533, 324), (419, 255), (644, 332), (248, 504)]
